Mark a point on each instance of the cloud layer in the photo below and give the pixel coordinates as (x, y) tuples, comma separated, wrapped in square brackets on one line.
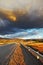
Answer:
[(25, 34), (27, 4), (22, 27), (18, 30)]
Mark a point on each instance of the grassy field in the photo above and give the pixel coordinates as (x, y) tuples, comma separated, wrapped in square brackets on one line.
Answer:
[(35, 44)]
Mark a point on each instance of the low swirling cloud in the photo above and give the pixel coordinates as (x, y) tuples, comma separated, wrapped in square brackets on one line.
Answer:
[(25, 34)]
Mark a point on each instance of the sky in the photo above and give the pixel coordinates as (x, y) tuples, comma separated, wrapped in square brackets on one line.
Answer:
[(28, 26), (18, 4)]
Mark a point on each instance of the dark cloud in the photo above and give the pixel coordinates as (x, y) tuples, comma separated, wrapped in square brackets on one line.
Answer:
[(26, 22), (23, 22)]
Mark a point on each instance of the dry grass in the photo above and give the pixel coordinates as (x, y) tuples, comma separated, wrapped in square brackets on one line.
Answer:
[(10, 41), (17, 58), (37, 45)]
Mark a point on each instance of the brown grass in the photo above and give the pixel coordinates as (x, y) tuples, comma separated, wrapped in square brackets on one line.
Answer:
[(37, 45), (17, 58)]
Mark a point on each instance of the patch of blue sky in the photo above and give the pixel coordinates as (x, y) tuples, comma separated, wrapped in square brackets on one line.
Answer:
[(26, 34)]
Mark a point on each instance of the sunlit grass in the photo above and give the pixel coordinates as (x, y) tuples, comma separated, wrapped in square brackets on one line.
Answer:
[(37, 45)]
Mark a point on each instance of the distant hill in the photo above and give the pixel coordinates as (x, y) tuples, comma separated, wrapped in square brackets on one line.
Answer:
[(37, 40)]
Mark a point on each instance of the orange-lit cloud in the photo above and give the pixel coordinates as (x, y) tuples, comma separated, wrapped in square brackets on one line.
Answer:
[(9, 14), (11, 17)]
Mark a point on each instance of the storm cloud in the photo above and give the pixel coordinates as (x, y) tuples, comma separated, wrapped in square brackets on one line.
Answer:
[(33, 19)]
